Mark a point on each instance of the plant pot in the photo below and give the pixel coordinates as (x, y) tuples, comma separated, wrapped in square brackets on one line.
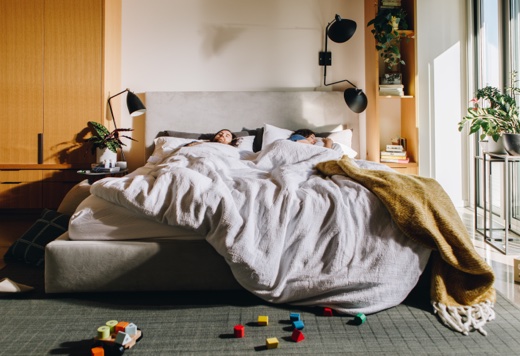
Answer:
[(512, 144), (496, 147), (104, 154)]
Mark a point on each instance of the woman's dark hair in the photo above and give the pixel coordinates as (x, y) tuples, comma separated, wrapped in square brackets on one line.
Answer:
[(304, 132), (234, 139)]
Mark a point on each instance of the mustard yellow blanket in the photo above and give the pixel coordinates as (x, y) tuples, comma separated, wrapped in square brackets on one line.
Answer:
[(462, 289)]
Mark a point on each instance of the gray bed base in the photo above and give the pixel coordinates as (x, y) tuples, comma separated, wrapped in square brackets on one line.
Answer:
[(157, 265)]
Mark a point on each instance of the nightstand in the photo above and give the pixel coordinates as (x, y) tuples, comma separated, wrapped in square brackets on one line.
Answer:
[(508, 165), (94, 176)]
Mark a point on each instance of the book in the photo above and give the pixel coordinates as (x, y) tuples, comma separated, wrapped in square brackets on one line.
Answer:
[(406, 160), (394, 148), (391, 89), (391, 3), (393, 157), (393, 153)]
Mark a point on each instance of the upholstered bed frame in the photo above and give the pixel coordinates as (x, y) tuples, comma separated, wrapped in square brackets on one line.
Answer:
[(155, 265)]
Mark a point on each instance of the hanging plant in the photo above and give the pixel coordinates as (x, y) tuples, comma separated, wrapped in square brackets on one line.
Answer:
[(387, 24)]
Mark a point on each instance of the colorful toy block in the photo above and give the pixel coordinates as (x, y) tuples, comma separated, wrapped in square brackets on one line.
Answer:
[(97, 351), (298, 324), (111, 324), (121, 326), (123, 338), (239, 331), (327, 312), (360, 318), (271, 343), (131, 329), (294, 316), (103, 332), (297, 335), (263, 320)]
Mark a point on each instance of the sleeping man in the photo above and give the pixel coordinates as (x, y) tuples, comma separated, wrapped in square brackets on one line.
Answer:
[(309, 137)]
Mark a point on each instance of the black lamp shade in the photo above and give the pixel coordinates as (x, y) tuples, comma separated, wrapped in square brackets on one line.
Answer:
[(356, 100), (134, 104), (342, 30)]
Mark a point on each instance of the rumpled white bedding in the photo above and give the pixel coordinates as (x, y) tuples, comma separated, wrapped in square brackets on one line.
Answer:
[(288, 234)]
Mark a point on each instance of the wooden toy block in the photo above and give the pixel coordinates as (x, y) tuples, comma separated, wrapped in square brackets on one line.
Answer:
[(97, 351), (360, 318), (103, 332), (294, 316), (297, 335), (121, 326), (327, 312), (271, 343), (131, 329), (263, 320), (239, 331), (123, 338), (298, 324), (134, 339), (111, 324)]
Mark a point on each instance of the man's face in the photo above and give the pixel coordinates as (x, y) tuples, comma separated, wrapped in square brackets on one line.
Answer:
[(311, 139)]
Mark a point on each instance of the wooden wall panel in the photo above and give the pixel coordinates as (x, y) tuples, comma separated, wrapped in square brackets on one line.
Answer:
[(21, 80), (73, 76)]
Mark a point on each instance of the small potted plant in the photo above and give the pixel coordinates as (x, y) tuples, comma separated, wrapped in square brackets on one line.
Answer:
[(104, 141), (387, 24), (494, 113)]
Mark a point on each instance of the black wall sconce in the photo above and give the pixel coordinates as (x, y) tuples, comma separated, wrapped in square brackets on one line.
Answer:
[(341, 30)]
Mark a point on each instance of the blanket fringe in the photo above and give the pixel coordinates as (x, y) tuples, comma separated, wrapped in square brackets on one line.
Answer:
[(465, 319)]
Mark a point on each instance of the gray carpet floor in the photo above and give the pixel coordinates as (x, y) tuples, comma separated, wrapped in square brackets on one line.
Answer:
[(201, 323)]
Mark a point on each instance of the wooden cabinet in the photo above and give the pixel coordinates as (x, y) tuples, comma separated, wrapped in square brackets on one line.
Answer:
[(55, 75), (392, 116)]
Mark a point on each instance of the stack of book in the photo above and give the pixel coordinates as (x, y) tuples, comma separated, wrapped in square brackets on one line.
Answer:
[(390, 3), (391, 89), (394, 154)]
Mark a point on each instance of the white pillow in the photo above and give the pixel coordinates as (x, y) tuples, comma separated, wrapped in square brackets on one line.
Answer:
[(344, 137), (246, 143), (273, 133), (346, 150)]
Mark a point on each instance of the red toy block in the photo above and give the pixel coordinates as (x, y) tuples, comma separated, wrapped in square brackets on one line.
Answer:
[(97, 351), (121, 326), (297, 335), (239, 331), (327, 312)]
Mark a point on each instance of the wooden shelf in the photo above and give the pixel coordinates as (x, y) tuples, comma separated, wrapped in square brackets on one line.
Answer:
[(40, 166)]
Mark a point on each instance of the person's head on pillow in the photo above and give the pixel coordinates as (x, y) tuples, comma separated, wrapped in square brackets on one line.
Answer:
[(226, 137), (309, 137)]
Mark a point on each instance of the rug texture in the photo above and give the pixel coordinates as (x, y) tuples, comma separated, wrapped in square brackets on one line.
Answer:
[(201, 323)]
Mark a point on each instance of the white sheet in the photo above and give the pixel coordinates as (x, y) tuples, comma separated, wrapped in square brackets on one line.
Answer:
[(289, 235), (98, 219)]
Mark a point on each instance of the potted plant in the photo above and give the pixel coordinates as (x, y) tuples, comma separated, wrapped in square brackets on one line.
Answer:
[(494, 113), (104, 141), (387, 24)]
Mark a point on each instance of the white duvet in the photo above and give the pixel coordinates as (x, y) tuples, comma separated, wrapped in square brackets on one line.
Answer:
[(288, 234)]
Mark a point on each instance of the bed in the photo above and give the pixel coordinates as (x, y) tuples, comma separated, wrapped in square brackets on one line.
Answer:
[(266, 219)]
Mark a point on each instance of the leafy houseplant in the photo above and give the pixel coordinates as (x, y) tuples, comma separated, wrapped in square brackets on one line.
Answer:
[(493, 112), (386, 32), (103, 138)]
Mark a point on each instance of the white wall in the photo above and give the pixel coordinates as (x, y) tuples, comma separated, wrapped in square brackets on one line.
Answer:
[(228, 45), (442, 63)]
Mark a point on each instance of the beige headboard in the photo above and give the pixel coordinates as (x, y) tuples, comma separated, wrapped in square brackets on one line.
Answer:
[(208, 112)]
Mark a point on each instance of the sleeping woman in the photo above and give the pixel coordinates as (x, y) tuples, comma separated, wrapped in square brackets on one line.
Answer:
[(224, 136)]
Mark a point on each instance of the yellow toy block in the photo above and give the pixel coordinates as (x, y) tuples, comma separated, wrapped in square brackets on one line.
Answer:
[(271, 343), (263, 320)]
